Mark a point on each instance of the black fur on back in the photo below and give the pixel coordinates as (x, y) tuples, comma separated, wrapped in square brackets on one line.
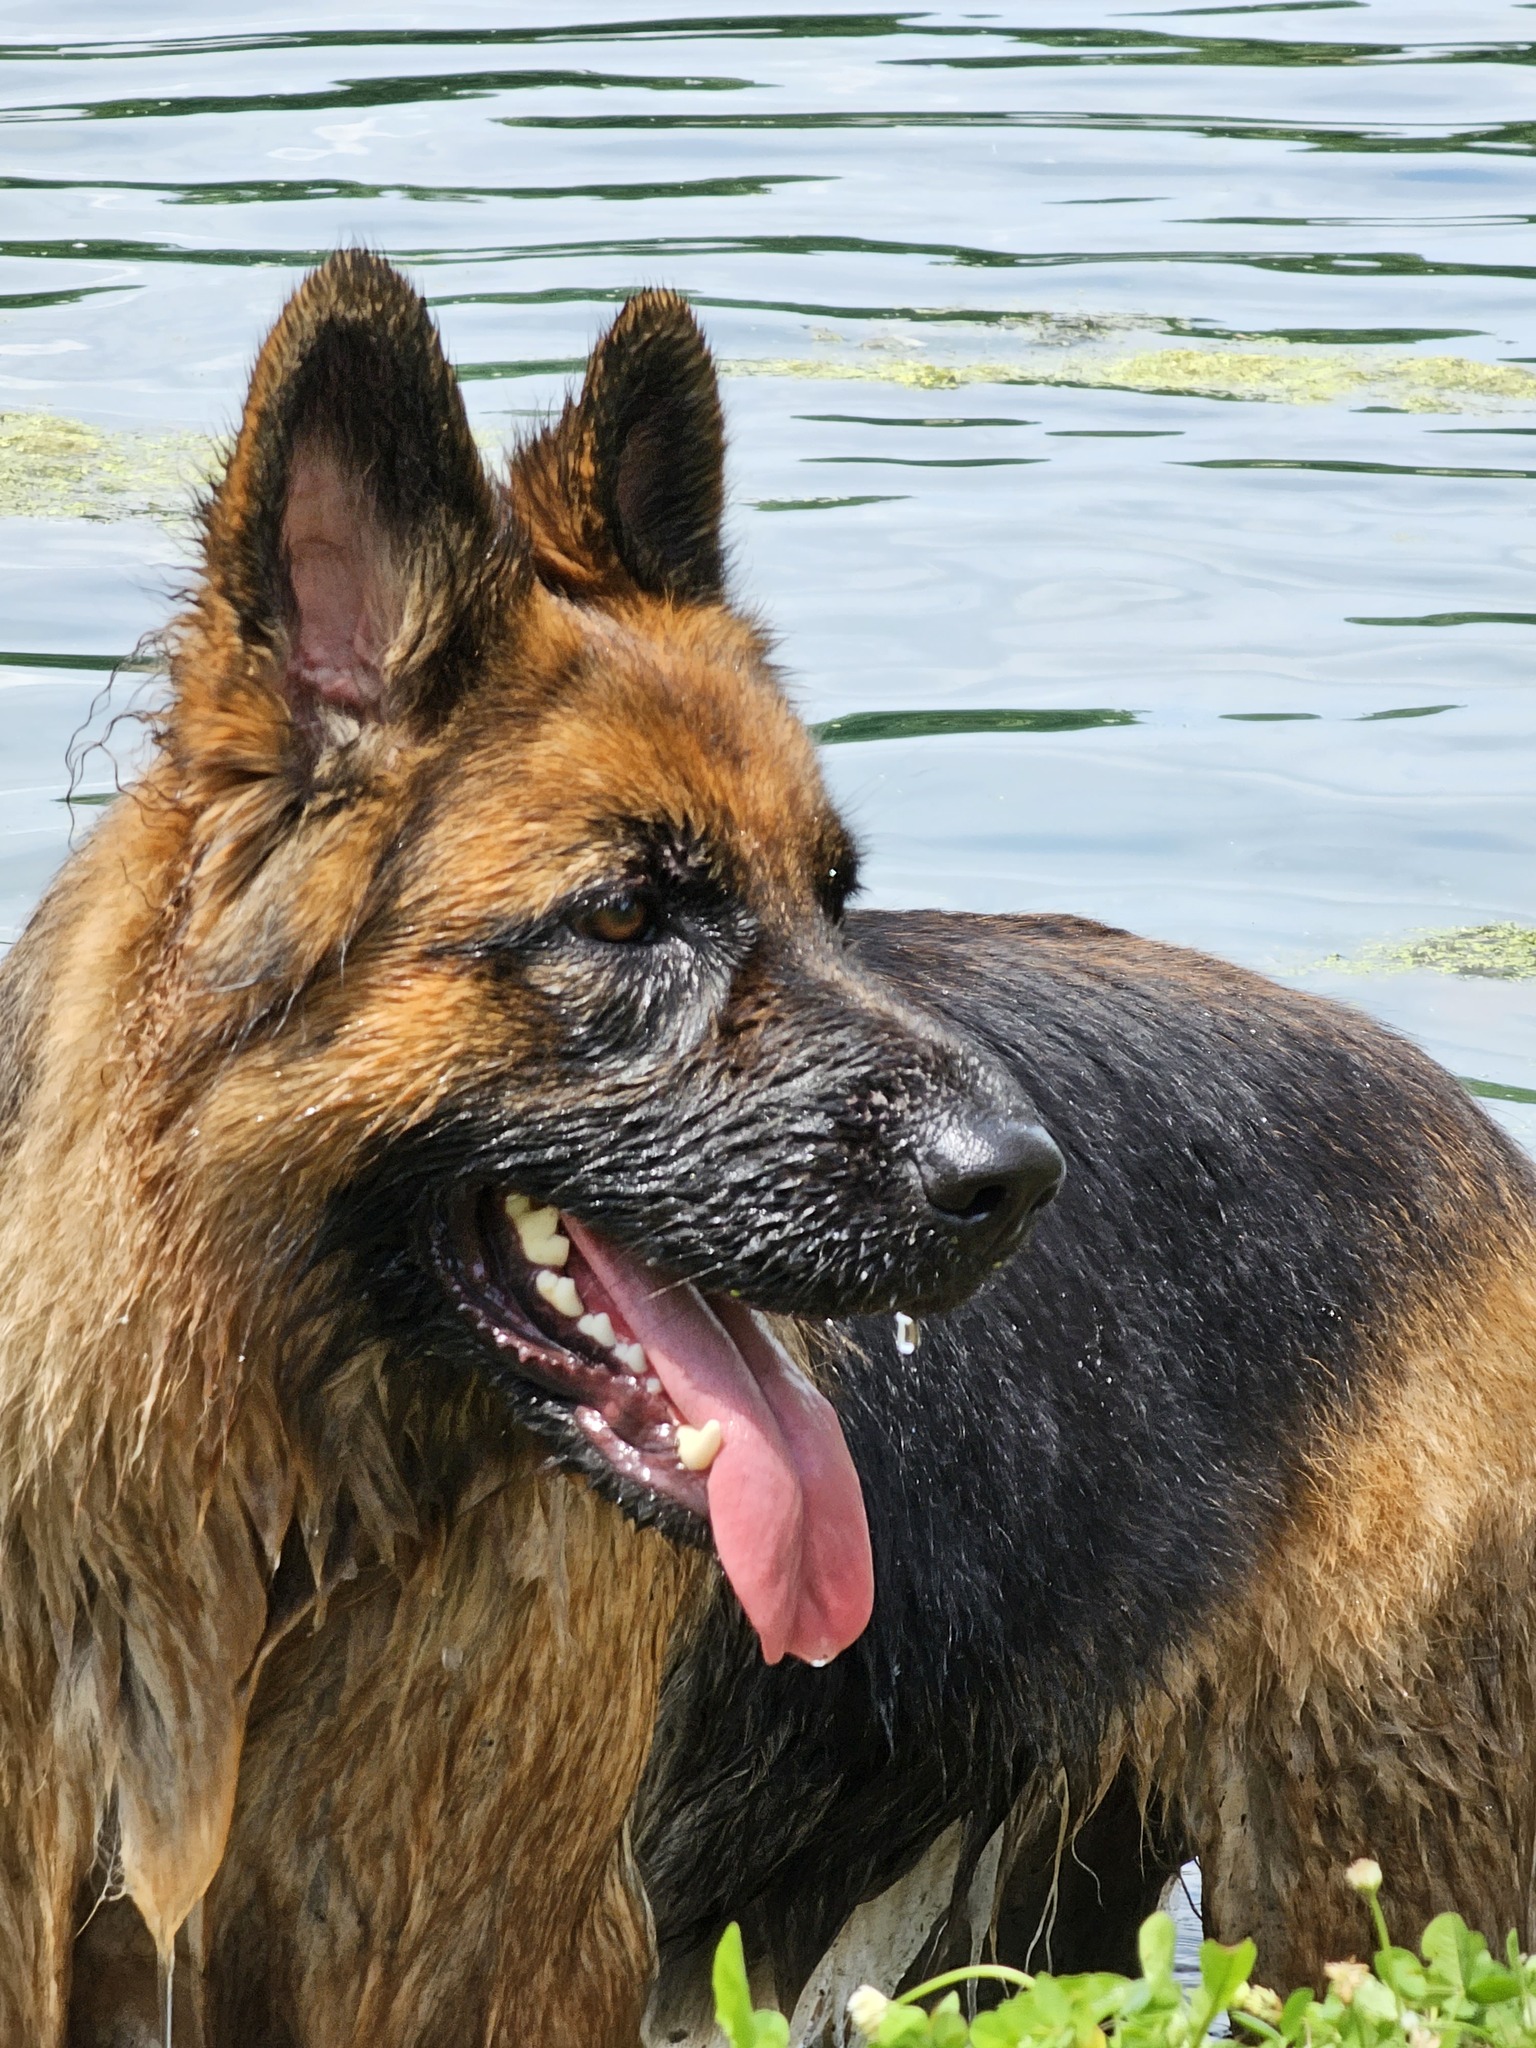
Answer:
[(1083, 1462)]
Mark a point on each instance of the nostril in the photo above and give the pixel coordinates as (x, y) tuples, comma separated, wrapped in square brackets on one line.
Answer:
[(990, 1167), (986, 1201)]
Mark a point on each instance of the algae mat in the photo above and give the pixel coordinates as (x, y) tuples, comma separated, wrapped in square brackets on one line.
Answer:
[(1487, 952), (53, 468), (57, 468), (1270, 376)]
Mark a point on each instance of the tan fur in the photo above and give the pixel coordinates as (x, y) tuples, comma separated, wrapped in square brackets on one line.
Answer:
[(1375, 1692)]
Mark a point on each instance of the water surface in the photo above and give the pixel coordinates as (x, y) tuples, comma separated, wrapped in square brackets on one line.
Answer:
[(1133, 409)]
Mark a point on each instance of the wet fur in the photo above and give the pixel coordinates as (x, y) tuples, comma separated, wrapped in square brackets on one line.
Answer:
[(1206, 1528), (325, 1654)]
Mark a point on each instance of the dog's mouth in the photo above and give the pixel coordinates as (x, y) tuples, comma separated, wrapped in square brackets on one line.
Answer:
[(685, 1395)]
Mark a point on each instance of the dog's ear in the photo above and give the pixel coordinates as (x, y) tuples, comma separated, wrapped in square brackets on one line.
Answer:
[(361, 574), (626, 490), (355, 545)]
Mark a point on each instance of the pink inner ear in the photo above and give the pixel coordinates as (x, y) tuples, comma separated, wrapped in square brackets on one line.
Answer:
[(337, 564)]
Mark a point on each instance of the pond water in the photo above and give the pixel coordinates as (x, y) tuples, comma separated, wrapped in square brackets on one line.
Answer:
[(1133, 411)]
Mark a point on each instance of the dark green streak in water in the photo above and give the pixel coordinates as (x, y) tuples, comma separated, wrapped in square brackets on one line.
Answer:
[(533, 366), (652, 248), (1107, 47), (27, 302), (689, 28), (290, 191), (875, 419), (916, 725), (928, 461), (1408, 711), (1342, 468), (1496, 1091), (1455, 619), (103, 662), (1505, 137), (371, 92), (827, 504)]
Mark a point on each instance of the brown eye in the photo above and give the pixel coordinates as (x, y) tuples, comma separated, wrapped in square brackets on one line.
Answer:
[(625, 921)]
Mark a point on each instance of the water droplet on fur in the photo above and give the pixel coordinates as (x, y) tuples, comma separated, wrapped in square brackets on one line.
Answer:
[(908, 1333), (453, 1657)]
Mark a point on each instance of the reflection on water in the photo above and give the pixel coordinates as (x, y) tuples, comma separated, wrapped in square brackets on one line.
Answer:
[(1092, 360)]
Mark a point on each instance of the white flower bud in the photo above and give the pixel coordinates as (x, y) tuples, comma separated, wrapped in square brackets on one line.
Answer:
[(867, 2007), (1364, 1875)]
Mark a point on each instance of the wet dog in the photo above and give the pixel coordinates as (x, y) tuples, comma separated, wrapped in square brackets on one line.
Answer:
[(419, 1092)]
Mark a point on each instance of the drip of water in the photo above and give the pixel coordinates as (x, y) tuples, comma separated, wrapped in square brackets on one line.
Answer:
[(167, 1997)]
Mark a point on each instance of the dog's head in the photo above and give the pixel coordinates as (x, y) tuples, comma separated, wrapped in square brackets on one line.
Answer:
[(511, 900)]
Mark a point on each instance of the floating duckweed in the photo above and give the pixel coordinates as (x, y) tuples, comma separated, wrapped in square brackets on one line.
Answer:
[(1490, 952), (1289, 377), (55, 468), (52, 468)]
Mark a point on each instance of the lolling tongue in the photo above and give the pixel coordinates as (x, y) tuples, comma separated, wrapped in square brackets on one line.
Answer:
[(784, 1500)]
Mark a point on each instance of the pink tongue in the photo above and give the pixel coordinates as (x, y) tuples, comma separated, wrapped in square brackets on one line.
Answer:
[(784, 1499)]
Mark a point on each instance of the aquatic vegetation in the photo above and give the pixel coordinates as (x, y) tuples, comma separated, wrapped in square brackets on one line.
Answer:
[(1489, 952), (1452, 1990), (57, 468), (1288, 376), (54, 468)]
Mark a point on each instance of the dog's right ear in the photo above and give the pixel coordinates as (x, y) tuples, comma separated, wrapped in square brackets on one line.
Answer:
[(625, 492), (357, 555)]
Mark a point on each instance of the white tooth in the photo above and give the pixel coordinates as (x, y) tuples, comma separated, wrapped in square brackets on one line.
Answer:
[(699, 1448), (538, 1233), (599, 1329), (631, 1357), (545, 1283), (652, 1384), (565, 1300), (517, 1205)]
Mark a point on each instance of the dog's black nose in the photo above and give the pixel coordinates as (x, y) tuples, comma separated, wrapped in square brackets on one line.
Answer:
[(990, 1168)]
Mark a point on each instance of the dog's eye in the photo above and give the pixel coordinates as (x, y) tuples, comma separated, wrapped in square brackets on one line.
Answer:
[(622, 921)]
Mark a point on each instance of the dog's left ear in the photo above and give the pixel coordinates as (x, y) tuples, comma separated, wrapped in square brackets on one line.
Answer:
[(626, 491)]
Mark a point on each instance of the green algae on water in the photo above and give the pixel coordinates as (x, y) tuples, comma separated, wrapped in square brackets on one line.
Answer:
[(1271, 376), (54, 468), (1485, 952)]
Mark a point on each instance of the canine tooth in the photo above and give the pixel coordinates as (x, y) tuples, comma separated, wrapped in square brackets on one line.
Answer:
[(909, 1333), (599, 1329), (631, 1357), (699, 1448)]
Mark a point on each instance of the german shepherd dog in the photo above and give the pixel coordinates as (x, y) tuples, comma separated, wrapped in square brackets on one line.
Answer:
[(452, 1123), (419, 1092)]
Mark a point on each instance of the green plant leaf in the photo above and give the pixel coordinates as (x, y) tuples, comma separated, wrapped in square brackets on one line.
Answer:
[(1294, 2012), (733, 1998), (1401, 1969), (1155, 1946), (1223, 1970)]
